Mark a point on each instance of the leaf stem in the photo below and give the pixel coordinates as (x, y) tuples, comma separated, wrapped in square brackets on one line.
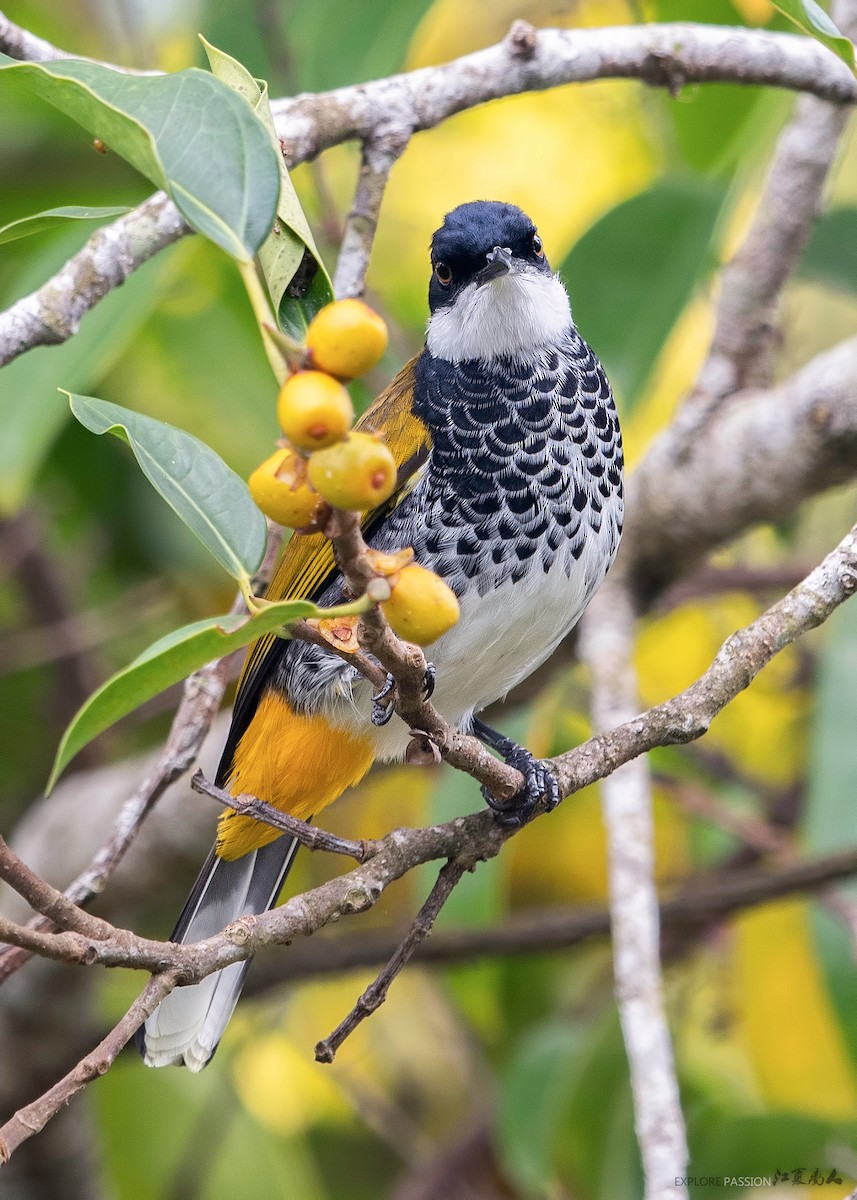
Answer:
[(265, 318)]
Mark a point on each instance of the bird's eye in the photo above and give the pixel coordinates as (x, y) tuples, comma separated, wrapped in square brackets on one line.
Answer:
[(443, 274), (537, 246)]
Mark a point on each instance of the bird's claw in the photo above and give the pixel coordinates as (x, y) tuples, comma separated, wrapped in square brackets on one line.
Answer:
[(539, 784), (429, 680), (382, 703), (381, 711)]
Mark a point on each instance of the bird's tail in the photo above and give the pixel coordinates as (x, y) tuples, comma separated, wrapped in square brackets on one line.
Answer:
[(187, 1026)]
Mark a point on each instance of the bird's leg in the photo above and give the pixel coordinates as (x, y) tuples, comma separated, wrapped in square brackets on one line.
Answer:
[(539, 781), (382, 704)]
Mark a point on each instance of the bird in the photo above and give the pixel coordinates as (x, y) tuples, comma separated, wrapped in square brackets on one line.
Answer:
[(510, 488)]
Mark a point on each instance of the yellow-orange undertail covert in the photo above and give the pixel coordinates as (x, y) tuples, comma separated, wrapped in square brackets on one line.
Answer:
[(300, 764), (508, 486)]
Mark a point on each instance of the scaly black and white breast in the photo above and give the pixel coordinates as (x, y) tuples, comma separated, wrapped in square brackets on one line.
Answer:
[(519, 508)]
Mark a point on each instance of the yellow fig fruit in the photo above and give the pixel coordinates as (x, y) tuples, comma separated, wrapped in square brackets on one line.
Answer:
[(346, 338), (314, 410), (357, 473), (280, 488), (421, 606)]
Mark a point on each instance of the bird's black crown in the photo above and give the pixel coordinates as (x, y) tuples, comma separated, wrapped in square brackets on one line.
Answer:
[(468, 235)]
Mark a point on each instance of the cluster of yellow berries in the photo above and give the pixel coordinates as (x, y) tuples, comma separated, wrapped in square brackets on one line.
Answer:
[(325, 460)]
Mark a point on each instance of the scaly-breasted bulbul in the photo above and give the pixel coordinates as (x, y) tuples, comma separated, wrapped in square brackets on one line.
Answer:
[(510, 463)]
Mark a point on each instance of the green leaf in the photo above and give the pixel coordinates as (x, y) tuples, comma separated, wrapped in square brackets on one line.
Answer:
[(188, 132), (812, 19), (297, 280), (165, 663), (632, 274), (831, 256), (210, 498), (533, 1099), (52, 217), (829, 808), (31, 412)]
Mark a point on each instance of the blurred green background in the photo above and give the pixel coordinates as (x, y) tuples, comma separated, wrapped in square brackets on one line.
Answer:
[(506, 1077)]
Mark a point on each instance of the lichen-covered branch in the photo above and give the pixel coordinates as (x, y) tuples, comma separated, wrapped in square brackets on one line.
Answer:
[(761, 457), (702, 901), (53, 313), (379, 154), (661, 55)]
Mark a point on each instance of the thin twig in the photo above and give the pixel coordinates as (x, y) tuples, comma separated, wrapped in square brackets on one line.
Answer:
[(47, 900), (379, 154), (32, 1119), (308, 835), (376, 993), (407, 664)]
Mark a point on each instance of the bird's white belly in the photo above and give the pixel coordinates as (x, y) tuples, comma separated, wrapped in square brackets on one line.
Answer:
[(499, 640)]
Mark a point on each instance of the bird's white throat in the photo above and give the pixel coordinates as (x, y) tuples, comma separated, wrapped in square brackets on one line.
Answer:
[(514, 314)]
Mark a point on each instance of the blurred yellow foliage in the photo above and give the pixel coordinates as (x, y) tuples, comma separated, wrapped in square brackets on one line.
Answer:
[(708, 1048), (286, 1090), (564, 857), (516, 149), (283, 1088), (763, 729), (454, 27), (785, 1017)]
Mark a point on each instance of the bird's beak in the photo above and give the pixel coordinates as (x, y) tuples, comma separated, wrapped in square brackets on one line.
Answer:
[(499, 263)]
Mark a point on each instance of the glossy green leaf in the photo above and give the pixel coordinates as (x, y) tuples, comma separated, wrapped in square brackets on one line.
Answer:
[(297, 280), (188, 132), (812, 19), (32, 413), (52, 217), (632, 274), (831, 256), (210, 498), (165, 663)]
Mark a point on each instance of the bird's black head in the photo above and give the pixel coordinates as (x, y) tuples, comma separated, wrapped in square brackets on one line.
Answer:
[(478, 242)]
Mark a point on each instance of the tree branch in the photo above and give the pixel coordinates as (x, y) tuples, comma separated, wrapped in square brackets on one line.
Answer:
[(607, 644), (21, 44), (379, 154), (661, 55), (762, 455), (308, 835), (201, 697), (53, 313), (466, 839), (384, 114), (375, 995), (702, 902), (32, 1119)]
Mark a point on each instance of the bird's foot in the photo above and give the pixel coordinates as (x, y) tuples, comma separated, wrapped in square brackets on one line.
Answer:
[(539, 780), (382, 701)]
